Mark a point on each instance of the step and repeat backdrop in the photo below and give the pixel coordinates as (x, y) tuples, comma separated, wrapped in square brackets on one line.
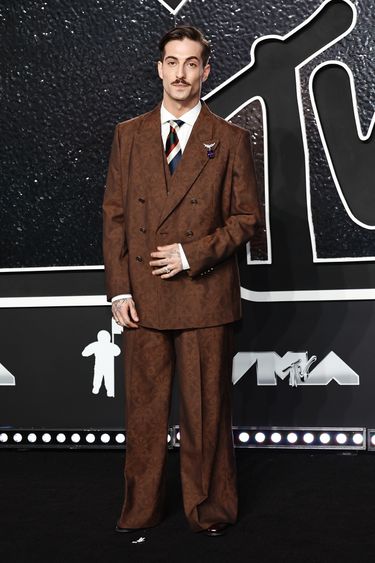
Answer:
[(300, 76)]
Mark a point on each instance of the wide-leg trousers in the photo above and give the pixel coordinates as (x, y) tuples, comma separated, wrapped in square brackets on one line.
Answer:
[(203, 361)]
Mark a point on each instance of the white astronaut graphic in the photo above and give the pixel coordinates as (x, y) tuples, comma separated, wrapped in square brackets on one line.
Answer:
[(104, 368)]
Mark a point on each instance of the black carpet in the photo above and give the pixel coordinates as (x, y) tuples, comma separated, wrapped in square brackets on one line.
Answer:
[(295, 507)]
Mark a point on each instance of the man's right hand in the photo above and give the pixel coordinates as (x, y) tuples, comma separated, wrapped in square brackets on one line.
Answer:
[(125, 313)]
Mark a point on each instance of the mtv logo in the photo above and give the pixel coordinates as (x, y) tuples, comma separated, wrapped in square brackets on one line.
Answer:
[(6, 378), (172, 5), (295, 366)]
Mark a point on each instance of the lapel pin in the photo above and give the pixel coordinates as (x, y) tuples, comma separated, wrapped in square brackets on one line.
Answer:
[(210, 149)]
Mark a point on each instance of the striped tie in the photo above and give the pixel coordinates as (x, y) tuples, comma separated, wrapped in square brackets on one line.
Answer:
[(172, 146)]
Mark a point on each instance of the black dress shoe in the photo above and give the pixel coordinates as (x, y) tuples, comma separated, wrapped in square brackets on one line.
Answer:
[(128, 530), (216, 530)]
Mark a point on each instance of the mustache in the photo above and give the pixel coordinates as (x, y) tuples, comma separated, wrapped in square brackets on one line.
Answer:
[(181, 81)]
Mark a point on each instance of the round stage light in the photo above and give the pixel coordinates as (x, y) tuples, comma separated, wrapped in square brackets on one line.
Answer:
[(31, 438), (3, 437), (292, 437), (46, 438), (341, 438), (308, 438), (325, 438), (105, 438), (75, 438), (275, 437), (373, 439), (358, 439), (61, 438), (244, 437), (260, 437), (90, 438), (169, 437), (120, 438), (17, 437), (178, 436)]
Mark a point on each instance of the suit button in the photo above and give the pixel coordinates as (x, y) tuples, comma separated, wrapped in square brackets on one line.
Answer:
[(141, 200), (142, 229), (189, 233), (193, 200), (139, 258)]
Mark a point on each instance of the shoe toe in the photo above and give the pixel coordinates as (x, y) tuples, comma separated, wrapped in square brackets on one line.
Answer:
[(126, 530), (218, 529)]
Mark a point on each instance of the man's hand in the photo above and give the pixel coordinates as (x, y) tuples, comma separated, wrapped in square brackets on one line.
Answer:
[(168, 262), (125, 313)]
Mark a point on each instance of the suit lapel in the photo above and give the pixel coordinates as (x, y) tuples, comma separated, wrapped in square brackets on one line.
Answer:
[(148, 162), (193, 160)]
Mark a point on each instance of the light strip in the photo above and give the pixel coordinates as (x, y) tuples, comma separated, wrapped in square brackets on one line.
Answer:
[(248, 294), (307, 438), (54, 301), (65, 438), (371, 439), (243, 437), (308, 295)]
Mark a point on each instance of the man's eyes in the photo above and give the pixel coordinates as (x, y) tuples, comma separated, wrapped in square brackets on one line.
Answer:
[(189, 64)]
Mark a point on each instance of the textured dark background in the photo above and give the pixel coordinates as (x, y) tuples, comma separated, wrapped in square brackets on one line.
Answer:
[(72, 70)]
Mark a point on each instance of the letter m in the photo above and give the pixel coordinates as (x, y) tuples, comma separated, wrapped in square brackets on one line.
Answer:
[(268, 365)]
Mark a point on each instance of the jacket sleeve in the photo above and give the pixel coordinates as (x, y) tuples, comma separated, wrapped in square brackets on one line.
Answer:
[(239, 225), (115, 249)]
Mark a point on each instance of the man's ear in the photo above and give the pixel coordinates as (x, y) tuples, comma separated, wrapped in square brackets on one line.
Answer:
[(206, 72), (160, 69)]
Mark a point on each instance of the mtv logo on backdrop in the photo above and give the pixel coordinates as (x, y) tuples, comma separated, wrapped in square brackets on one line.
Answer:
[(6, 378), (296, 366)]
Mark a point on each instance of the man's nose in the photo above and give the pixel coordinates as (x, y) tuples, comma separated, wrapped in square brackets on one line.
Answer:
[(180, 71)]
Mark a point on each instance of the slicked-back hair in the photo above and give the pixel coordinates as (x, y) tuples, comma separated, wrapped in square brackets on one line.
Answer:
[(189, 32)]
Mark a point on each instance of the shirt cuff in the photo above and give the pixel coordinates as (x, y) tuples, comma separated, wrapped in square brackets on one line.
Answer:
[(184, 261), (122, 296)]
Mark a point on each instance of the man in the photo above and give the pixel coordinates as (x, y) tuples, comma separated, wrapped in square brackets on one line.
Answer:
[(180, 199)]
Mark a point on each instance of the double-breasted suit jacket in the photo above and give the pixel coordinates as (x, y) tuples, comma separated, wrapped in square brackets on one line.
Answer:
[(209, 205)]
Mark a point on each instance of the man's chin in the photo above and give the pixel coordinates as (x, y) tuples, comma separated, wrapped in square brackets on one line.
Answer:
[(182, 96), (181, 92)]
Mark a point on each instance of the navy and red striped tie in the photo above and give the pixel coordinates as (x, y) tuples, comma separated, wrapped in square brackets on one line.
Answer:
[(172, 146)]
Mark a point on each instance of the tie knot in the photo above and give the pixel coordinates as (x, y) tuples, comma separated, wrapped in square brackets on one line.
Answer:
[(176, 124)]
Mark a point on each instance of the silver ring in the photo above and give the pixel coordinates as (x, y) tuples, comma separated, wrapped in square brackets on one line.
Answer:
[(167, 270)]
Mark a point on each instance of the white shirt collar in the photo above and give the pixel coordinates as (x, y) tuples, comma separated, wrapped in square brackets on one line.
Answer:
[(189, 117)]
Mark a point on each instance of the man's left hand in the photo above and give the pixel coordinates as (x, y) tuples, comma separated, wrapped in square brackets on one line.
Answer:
[(168, 262)]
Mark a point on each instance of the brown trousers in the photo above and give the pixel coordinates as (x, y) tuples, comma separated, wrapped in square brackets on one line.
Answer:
[(203, 358)]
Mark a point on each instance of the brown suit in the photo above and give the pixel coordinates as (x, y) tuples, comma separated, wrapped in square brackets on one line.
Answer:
[(210, 206)]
